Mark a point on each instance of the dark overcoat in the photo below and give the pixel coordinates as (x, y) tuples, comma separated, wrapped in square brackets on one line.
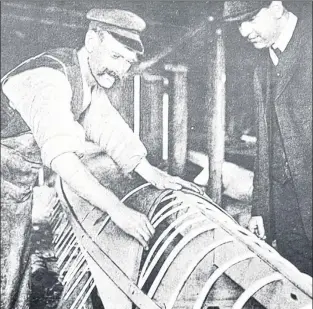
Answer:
[(292, 99)]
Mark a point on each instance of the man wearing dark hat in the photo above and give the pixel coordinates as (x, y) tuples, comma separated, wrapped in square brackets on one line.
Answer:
[(50, 104), (282, 206)]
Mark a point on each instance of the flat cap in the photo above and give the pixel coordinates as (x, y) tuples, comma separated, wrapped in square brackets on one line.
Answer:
[(242, 10), (125, 26)]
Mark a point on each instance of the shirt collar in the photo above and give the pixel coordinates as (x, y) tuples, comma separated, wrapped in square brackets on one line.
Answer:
[(287, 33)]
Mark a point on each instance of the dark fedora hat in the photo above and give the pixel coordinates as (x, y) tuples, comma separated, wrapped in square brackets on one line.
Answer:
[(242, 10)]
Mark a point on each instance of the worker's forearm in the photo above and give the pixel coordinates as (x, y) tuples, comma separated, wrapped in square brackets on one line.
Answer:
[(145, 169), (69, 167)]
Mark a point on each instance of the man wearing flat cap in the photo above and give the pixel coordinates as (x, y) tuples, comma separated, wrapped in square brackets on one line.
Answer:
[(282, 206), (51, 104)]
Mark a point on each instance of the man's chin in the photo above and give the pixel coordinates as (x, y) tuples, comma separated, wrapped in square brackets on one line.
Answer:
[(259, 45), (106, 81), (107, 85)]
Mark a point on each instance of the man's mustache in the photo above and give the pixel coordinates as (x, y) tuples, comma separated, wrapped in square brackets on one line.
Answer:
[(111, 73)]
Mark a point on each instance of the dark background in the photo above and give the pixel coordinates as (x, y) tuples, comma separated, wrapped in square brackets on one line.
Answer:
[(30, 28)]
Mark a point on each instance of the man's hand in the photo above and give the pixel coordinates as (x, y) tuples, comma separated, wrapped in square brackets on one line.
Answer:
[(256, 226), (79, 178), (133, 223), (161, 180)]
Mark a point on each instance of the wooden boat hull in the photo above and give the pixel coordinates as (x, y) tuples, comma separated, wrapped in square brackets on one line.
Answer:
[(199, 258)]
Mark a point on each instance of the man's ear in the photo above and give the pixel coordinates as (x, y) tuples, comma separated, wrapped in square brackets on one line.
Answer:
[(277, 8), (91, 40)]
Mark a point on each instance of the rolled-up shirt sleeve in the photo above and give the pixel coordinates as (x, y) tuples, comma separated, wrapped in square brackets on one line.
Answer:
[(105, 126), (43, 98)]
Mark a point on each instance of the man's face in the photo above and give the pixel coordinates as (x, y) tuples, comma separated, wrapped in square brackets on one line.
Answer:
[(110, 60), (261, 30)]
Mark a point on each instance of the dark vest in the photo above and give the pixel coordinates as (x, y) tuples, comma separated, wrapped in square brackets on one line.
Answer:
[(64, 60)]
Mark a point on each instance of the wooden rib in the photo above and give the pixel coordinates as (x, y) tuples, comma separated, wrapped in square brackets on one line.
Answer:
[(83, 290), (128, 195), (169, 213), (59, 235), (67, 230), (184, 277), (54, 213), (76, 266), (70, 259), (106, 220), (216, 274), (165, 245), (185, 240), (76, 282), (253, 288), (274, 260), (57, 224), (171, 204), (55, 208), (65, 243), (82, 304), (66, 252), (164, 234)]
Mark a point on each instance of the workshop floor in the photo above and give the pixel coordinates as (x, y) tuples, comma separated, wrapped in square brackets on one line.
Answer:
[(46, 288)]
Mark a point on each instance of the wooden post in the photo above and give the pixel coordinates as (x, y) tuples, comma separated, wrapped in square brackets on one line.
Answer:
[(178, 119), (41, 177), (151, 110), (216, 123)]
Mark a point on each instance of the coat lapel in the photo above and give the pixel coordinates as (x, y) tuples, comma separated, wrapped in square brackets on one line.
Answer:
[(287, 62)]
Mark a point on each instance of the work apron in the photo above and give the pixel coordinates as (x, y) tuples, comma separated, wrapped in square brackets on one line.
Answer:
[(18, 177), (20, 164)]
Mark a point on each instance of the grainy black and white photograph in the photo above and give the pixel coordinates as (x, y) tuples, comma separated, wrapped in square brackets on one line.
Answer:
[(156, 154)]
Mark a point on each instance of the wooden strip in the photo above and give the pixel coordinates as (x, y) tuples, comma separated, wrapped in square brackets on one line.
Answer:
[(165, 208), (82, 305), (252, 289), (186, 239), (76, 266), (85, 287), (156, 258), (216, 274), (70, 260), (197, 260), (80, 277), (60, 233), (113, 272), (67, 240), (164, 234), (66, 252), (64, 234)]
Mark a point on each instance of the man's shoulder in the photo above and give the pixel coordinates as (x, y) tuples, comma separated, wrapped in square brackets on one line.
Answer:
[(36, 80), (303, 32), (68, 56)]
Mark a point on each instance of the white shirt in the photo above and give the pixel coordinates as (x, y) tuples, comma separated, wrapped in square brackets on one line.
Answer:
[(43, 98), (284, 37)]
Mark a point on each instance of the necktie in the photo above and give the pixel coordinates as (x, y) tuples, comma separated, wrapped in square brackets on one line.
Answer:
[(275, 55), (277, 52)]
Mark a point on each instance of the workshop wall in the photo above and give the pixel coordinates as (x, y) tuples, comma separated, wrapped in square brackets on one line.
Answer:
[(33, 27)]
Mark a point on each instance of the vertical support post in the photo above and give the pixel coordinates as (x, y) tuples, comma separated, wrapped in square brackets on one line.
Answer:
[(216, 123), (178, 119), (165, 127), (136, 108), (151, 109), (41, 177)]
